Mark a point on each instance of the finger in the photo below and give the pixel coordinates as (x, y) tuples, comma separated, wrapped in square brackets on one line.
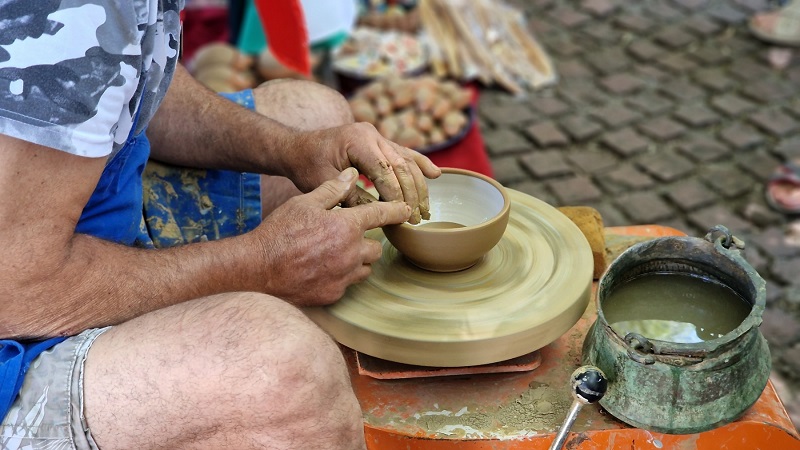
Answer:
[(333, 192), (403, 174), (429, 169), (371, 251), (362, 273), (378, 214), (359, 196), (422, 194)]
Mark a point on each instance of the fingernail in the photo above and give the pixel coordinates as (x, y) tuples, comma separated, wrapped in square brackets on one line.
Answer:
[(348, 174)]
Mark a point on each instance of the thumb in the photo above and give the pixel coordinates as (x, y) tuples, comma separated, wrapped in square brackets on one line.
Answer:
[(335, 191)]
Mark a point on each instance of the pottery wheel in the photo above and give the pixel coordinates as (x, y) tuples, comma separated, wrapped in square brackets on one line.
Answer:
[(525, 293)]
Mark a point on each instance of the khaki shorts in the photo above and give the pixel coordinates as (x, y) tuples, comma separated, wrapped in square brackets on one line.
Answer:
[(48, 413)]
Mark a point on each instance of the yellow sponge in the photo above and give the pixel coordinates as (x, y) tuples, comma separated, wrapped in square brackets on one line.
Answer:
[(591, 224)]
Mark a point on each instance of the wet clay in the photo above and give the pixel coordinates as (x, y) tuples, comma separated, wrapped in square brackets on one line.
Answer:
[(525, 293), (538, 409), (674, 307), (441, 225)]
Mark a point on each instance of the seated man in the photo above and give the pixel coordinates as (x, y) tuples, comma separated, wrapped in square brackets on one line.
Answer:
[(111, 342)]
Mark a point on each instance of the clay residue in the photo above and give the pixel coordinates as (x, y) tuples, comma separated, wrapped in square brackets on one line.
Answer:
[(539, 409)]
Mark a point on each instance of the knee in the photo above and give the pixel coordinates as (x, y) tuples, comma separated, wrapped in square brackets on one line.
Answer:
[(296, 370), (302, 104)]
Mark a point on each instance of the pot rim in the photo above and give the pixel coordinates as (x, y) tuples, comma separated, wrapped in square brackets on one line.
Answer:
[(753, 319)]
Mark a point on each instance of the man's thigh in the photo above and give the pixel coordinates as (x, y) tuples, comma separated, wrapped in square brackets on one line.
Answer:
[(48, 413)]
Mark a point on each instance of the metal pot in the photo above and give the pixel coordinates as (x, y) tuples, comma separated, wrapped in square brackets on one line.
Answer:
[(674, 387)]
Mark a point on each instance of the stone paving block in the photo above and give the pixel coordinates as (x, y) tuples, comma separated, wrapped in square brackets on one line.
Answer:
[(773, 241), (729, 182), (662, 128), (608, 60), (547, 134), (625, 142), (621, 84), (508, 170), (536, 190), (674, 37), (645, 207), (580, 128), (689, 195), (742, 45), (682, 90), (566, 48), (575, 190), (679, 224), (508, 114), (726, 13), (662, 11), (748, 69), (549, 106), (594, 161), (775, 122), (569, 17), (703, 148), (599, 8), (715, 79), (615, 116), (650, 73), (702, 26), (741, 136), (710, 55), (732, 104), (691, 5), (634, 22), (677, 63), (753, 5), (779, 327), (786, 270), (759, 165), (760, 214), (650, 103), (697, 116), (545, 164), (666, 166), (611, 215), (581, 93), (706, 218), (793, 107), (602, 32), (573, 69), (768, 91), (504, 140), (645, 50), (789, 149), (629, 176)]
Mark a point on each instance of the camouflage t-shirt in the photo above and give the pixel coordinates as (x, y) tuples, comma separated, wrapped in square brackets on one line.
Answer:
[(73, 73)]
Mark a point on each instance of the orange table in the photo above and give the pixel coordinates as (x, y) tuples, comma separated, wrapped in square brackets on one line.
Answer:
[(524, 410)]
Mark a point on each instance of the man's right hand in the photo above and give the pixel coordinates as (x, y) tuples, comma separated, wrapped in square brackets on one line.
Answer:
[(314, 251)]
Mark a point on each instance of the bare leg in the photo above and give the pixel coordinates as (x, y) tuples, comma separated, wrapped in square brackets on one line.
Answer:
[(243, 371), (304, 105)]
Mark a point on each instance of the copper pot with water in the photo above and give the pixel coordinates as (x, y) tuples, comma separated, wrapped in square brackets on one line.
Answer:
[(677, 333)]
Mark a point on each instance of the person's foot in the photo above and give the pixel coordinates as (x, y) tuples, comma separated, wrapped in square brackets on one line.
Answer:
[(781, 27), (783, 189)]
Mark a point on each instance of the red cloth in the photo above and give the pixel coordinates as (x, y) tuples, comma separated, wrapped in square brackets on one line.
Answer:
[(470, 152), (285, 28), (202, 26)]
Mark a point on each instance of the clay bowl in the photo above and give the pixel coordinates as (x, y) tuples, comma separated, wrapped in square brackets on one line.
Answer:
[(469, 214)]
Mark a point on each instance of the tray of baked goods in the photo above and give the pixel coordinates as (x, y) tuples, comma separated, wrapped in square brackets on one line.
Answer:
[(423, 113)]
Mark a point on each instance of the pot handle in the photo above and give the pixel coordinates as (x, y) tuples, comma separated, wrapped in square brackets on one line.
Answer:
[(639, 348), (726, 240)]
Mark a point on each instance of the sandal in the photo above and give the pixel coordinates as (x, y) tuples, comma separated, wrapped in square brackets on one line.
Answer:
[(783, 189), (781, 27)]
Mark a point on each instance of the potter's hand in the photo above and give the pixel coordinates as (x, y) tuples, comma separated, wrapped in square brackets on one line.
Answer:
[(397, 172), (313, 251)]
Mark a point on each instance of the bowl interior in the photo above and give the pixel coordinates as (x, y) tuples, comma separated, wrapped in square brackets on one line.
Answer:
[(463, 199)]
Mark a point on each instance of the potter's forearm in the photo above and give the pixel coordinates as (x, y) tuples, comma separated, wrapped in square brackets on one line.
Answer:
[(195, 127)]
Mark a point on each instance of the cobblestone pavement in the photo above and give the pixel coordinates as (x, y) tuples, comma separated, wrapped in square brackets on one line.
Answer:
[(666, 112)]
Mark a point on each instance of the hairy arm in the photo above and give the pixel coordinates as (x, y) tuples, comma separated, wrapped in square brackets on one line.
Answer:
[(57, 282)]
